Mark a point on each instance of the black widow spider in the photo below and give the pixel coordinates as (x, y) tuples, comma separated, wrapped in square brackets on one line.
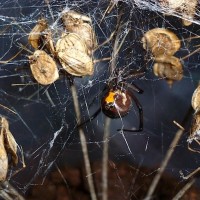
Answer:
[(119, 96)]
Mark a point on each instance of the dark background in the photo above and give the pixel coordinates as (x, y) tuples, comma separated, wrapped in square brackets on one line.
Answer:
[(46, 131)]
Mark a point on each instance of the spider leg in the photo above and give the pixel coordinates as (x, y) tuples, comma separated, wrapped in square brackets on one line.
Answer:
[(91, 118), (140, 128), (97, 96), (133, 73), (108, 9), (131, 86), (134, 88)]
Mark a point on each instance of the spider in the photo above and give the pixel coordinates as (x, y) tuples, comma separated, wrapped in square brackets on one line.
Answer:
[(119, 96)]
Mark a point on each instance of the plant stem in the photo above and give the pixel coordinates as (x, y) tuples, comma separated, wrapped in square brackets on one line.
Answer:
[(83, 143), (105, 159), (167, 157)]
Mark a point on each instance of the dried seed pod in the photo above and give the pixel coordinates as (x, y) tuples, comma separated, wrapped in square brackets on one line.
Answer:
[(43, 67), (186, 8), (161, 41), (72, 54), (8, 145), (196, 99), (80, 24), (47, 42), (35, 34), (195, 128), (168, 67)]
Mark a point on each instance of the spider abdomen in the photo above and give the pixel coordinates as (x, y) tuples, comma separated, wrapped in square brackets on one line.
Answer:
[(116, 103)]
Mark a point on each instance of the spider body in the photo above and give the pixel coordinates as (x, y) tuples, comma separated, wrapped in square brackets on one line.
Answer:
[(119, 96), (116, 103)]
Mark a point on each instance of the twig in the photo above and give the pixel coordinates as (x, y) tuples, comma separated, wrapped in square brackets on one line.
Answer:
[(190, 54), (191, 174), (6, 108), (50, 10), (10, 59), (168, 155), (83, 143), (184, 190), (179, 126), (116, 48), (164, 164), (116, 42), (8, 192), (105, 159)]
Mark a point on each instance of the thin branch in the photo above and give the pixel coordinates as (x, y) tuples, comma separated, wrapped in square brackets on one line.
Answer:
[(10, 59), (105, 159), (164, 163), (184, 190), (116, 48), (190, 54), (50, 10), (8, 192), (168, 155), (83, 143), (6, 108), (191, 174)]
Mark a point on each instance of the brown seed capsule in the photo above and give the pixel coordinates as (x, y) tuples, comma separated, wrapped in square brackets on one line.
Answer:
[(161, 41), (195, 128), (81, 25), (168, 67), (8, 145), (48, 43), (72, 54), (186, 8), (196, 99), (43, 67), (35, 34)]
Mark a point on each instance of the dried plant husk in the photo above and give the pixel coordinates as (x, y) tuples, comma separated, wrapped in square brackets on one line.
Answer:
[(43, 67), (185, 8), (35, 35), (168, 67), (81, 25), (160, 41), (48, 42), (72, 54), (8, 146), (196, 99)]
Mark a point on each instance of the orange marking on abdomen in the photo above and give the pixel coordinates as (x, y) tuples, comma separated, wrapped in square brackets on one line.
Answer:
[(110, 98)]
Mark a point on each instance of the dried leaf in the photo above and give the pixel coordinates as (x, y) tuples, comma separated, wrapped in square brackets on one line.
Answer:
[(8, 145)]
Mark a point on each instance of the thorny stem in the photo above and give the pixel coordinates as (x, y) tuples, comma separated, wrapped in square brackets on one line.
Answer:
[(168, 155), (8, 192), (105, 159), (184, 190), (83, 143)]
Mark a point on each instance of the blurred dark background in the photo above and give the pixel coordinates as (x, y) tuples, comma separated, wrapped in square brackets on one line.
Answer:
[(44, 123)]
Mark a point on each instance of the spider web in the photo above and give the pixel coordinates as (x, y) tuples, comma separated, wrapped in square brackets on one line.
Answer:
[(44, 123)]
